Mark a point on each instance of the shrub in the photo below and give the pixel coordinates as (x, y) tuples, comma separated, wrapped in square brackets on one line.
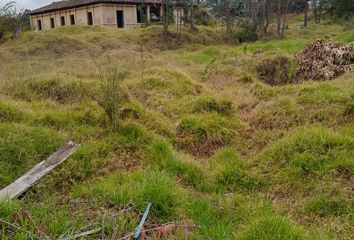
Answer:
[(277, 71), (111, 95), (248, 32)]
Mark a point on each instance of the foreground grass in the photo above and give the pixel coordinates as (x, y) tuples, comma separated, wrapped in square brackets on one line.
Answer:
[(203, 139)]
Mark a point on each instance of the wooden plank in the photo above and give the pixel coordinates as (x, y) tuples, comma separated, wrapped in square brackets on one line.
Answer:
[(38, 171)]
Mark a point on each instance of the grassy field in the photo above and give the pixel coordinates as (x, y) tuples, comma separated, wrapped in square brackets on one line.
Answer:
[(201, 137)]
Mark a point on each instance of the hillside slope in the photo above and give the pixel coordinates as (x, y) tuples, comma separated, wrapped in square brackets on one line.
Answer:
[(219, 153)]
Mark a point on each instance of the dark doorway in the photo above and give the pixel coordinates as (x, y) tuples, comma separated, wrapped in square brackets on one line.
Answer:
[(52, 25), (39, 23), (120, 19), (89, 18), (138, 13), (141, 15), (62, 20), (72, 19), (154, 13)]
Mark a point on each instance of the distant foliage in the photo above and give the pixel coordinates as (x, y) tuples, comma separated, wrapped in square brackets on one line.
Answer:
[(11, 18), (248, 31), (203, 17)]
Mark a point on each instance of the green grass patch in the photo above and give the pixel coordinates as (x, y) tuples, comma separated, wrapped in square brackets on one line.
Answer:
[(310, 153), (209, 104), (272, 228), (204, 134), (329, 206), (138, 189), (204, 56), (21, 147), (232, 173), (10, 113), (161, 155)]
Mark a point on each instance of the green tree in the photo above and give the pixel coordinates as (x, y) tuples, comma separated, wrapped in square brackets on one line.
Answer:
[(12, 17)]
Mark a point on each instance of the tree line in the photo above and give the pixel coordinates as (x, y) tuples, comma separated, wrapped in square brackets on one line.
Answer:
[(12, 17), (258, 18)]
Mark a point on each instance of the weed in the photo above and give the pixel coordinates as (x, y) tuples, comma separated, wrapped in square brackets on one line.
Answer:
[(111, 95)]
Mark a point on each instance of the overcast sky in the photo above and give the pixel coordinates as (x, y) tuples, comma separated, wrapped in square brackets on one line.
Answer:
[(29, 4)]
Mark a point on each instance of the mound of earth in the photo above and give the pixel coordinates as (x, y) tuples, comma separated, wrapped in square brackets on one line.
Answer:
[(324, 60)]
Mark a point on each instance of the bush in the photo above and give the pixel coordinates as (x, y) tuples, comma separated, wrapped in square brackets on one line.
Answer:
[(111, 95), (277, 71), (248, 32)]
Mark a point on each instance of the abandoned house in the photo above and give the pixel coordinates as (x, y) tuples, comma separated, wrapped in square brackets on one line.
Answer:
[(108, 13)]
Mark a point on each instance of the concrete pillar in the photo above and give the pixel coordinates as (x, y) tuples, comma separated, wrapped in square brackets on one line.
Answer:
[(31, 22), (148, 13)]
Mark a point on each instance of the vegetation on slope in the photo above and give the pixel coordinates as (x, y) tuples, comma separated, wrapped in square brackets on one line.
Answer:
[(201, 137)]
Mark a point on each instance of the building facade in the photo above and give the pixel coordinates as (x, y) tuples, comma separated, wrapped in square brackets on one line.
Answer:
[(107, 13)]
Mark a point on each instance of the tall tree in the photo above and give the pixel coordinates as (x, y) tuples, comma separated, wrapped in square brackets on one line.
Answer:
[(12, 18), (306, 5)]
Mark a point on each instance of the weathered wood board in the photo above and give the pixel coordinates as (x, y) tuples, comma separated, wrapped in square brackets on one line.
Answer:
[(38, 171)]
